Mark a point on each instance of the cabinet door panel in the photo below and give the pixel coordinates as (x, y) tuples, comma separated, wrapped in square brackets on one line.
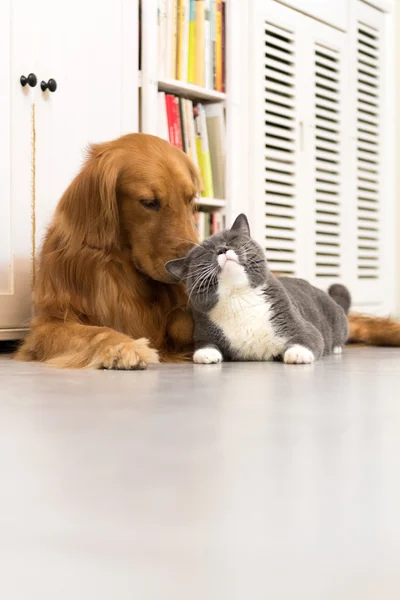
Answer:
[(277, 134), (16, 59), (81, 47)]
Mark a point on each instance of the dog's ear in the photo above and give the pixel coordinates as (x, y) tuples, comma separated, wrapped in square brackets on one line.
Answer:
[(241, 225), (177, 268), (89, 205)]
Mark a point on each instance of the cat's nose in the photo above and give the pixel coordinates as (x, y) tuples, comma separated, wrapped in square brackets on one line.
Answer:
[(222, 250)]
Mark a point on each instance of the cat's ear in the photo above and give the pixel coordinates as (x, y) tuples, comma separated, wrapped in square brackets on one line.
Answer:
[(241, 225), (177, 268)]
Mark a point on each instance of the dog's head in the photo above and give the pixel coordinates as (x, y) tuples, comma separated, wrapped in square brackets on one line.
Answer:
[(135, 194)]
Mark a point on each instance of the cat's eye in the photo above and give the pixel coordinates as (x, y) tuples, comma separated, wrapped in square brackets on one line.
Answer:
[(153, 204)]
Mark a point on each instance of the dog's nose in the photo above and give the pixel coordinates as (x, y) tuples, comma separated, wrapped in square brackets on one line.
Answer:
[(222, 250)]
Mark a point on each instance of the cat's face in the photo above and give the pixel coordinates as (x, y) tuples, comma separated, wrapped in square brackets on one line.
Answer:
[(223, 263)]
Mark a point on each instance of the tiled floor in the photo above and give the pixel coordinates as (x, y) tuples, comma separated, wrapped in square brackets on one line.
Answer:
[(246, 481)]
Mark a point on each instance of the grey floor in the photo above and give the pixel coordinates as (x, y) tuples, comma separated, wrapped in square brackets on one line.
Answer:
[(246, 481)]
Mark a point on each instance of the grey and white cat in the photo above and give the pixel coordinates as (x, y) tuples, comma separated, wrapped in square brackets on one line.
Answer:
[(243, 312)]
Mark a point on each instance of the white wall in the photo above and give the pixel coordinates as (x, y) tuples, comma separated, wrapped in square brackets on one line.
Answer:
[(397, 124)]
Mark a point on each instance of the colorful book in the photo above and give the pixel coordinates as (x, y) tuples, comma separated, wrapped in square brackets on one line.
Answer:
[(207, 45), (215, 120), (223, 44), (218, 47), (203, 153), (192, 42), (184, 126), (213, 37), (177, 123), (217, 223), (199, 56), (183, 40), (169, 103)]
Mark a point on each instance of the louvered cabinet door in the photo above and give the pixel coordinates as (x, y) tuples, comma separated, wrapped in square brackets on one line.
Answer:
[(325, 224), (373, 248), (275, 163)]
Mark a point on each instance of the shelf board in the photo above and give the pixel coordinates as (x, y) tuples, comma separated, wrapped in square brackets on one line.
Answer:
[(188, 90), (211, 202)]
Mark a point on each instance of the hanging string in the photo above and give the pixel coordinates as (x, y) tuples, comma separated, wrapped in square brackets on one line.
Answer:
[(33, 193)]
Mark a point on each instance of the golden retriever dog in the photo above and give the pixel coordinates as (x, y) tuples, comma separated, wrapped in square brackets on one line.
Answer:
[(102, 296)]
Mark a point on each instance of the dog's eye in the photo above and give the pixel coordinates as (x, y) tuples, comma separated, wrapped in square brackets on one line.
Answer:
[(152, 204)]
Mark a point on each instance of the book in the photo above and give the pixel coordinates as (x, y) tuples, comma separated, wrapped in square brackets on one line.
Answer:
[(162, 120), (174, 39), (192, 42), (203, 153), (165, 70), (208, 223), (177, 123), (223, 45), (218, 47), (169, 103), (162, 36), (183, 40), (213, 31), (217, 222), (192, 132), (208, 80), (199, 56), (184, 126), (215, 120)]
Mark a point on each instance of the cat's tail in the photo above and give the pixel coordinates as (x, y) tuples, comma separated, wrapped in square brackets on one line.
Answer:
[(341, 295)]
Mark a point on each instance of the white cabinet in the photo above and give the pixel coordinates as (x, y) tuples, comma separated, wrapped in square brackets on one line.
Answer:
[(319, 134), (16, 242), (332, 12), (91, 50)]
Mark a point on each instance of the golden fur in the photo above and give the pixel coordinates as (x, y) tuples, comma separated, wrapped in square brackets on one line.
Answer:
[(103, 298), (101, 285)]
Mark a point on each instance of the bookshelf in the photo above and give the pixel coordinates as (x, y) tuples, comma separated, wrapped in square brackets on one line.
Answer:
[(189, 90), (153, 80)]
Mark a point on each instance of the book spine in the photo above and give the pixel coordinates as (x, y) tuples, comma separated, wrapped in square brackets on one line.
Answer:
[(179, 39), (168, 41), (185, 41), (223, 45), (192, 132), (182, 116), (213, 18), (162, 125), (177, 123), (174, 41), (202, 225), (169, 102), (199, 66), (192, 42), (218, 47), (162, 35), (207, 43), (208, 190)]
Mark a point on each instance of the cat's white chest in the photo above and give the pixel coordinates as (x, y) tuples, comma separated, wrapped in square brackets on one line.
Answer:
[(244, 315)]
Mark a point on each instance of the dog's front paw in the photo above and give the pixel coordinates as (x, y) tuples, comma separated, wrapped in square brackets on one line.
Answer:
[(207, 356), (298, 355), (129, 355)]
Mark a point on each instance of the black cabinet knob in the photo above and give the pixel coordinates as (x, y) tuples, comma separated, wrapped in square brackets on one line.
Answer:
[(30, 80), (51, 85)]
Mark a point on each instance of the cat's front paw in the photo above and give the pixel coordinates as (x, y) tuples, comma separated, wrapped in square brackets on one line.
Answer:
[(207, 356), (298, 355)]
